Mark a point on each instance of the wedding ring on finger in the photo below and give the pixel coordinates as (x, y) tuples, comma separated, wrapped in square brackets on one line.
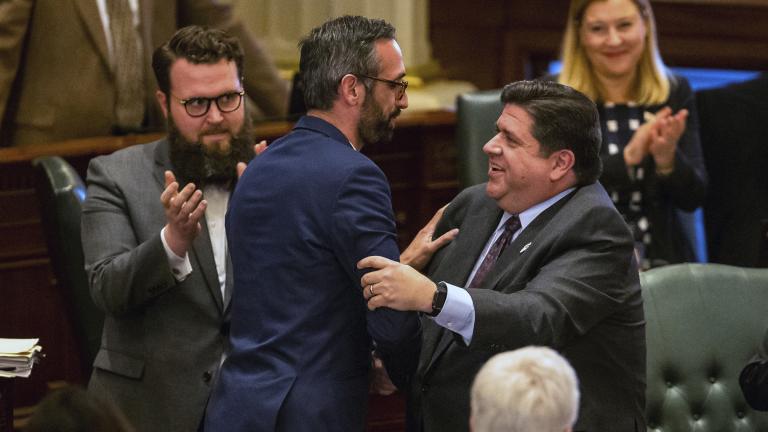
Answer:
[(370, 290)]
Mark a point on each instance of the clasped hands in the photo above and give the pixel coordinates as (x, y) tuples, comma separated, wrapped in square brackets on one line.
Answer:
[(658, 137), (399, 285), (185, 208)]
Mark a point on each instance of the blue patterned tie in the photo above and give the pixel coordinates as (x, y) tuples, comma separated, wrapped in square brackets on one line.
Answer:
[(510, 226)]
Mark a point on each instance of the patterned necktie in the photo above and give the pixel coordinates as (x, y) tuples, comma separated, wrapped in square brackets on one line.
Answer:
[(127, 66), (510, 226)]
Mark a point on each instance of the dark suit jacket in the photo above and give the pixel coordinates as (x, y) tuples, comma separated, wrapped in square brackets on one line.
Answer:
[(162, 340), (55, 77), (734, 137), (754, 379), (303, 214), (568, 281)]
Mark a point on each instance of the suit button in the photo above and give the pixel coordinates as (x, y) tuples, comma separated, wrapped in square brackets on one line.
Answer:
[(424, 389), (207, 375)]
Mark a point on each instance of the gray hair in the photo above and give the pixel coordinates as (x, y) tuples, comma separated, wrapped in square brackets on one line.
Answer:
[(532, 389), (341, 46)]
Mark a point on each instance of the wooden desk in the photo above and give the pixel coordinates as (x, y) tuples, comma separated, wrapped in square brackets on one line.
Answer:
[(420, 163)]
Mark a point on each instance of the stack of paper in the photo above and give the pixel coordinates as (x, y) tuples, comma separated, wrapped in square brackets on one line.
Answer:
[(17, 356)]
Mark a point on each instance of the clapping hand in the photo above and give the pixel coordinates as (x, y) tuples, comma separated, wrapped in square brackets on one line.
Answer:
[(664, 137), (183, 210)]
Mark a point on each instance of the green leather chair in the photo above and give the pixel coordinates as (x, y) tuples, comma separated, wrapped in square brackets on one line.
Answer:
[(60, 193), (476, 115), (703, 324)]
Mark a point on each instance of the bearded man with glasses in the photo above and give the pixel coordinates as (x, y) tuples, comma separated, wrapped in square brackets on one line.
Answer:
[(303, 214), (154, 241)]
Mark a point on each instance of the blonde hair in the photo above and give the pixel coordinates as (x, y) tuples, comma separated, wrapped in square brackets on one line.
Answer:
[(651, 86), (526, 390)]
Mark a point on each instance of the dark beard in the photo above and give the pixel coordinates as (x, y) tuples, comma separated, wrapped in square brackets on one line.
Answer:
[(195, 163), (374, 126)]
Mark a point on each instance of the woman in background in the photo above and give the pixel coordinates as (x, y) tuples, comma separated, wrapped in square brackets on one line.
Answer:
[(652, 161)]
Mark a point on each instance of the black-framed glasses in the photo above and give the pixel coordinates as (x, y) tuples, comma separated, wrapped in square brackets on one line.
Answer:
[(199, 106), (399, 86)]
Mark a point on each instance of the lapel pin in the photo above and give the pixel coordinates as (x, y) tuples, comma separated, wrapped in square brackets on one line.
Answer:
[(525, 248)]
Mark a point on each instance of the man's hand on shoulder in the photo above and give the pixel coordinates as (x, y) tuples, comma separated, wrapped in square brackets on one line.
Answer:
[(257, 150), (422, 247), (183, 211)]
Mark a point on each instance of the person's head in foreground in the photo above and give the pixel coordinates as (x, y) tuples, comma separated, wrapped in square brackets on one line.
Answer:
[(531, 389)]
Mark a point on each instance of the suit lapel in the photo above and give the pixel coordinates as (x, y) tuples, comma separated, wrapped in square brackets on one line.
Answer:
[(230, 282), (512, 258), (89, 12), (456, 266), (202, 251), (480, 226)]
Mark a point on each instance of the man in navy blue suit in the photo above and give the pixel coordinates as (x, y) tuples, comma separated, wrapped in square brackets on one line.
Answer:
[(301, 217)]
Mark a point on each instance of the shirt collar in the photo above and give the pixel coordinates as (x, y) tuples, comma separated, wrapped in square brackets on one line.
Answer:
[(527, 216)]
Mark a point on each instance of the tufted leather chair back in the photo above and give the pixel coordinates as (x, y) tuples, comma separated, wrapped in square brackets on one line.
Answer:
[(703, 324), (61, 192)]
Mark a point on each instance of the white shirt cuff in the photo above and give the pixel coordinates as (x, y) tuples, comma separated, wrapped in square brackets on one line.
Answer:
[(180, 267), (458, 313)]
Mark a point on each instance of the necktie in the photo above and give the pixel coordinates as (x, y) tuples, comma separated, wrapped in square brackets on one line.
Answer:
[(127, 66), (512, 225)]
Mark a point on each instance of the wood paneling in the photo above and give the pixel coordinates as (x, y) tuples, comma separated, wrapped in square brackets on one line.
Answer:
[(507, 40)]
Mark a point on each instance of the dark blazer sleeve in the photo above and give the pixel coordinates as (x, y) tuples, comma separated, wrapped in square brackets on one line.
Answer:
[(123, 274), (363, 225), (754, 379), (582, 275), (686, 185)]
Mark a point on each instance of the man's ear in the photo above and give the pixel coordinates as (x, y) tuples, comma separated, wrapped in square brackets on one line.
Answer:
[(562, 164), (162, 101), (349, 90)]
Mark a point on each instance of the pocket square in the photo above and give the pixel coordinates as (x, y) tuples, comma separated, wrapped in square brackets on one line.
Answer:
[(525, 248)]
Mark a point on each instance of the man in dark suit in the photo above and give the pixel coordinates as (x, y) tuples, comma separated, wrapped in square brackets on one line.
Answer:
[(734, 139), (546, 260), (155, 252), (303, 214)]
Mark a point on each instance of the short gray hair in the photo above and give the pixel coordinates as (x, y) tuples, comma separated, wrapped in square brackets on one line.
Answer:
[(526, 390), (341, 46)]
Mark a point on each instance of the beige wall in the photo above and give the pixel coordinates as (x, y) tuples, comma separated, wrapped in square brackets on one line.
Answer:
[(281, 23)]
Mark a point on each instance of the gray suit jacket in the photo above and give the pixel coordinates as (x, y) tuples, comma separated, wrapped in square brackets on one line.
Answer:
[(568, 281), (162, 340)]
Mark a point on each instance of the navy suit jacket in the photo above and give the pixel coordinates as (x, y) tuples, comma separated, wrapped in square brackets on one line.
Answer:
[(302, 215)]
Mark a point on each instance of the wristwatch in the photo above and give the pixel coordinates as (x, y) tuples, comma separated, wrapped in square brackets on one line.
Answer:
[(439, 299)]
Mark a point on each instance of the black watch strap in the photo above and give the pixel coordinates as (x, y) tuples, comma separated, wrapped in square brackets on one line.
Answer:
[(439, 299)]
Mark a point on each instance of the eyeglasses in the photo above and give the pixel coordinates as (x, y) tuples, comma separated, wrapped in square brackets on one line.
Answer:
[(399, 86), (199, 106)]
